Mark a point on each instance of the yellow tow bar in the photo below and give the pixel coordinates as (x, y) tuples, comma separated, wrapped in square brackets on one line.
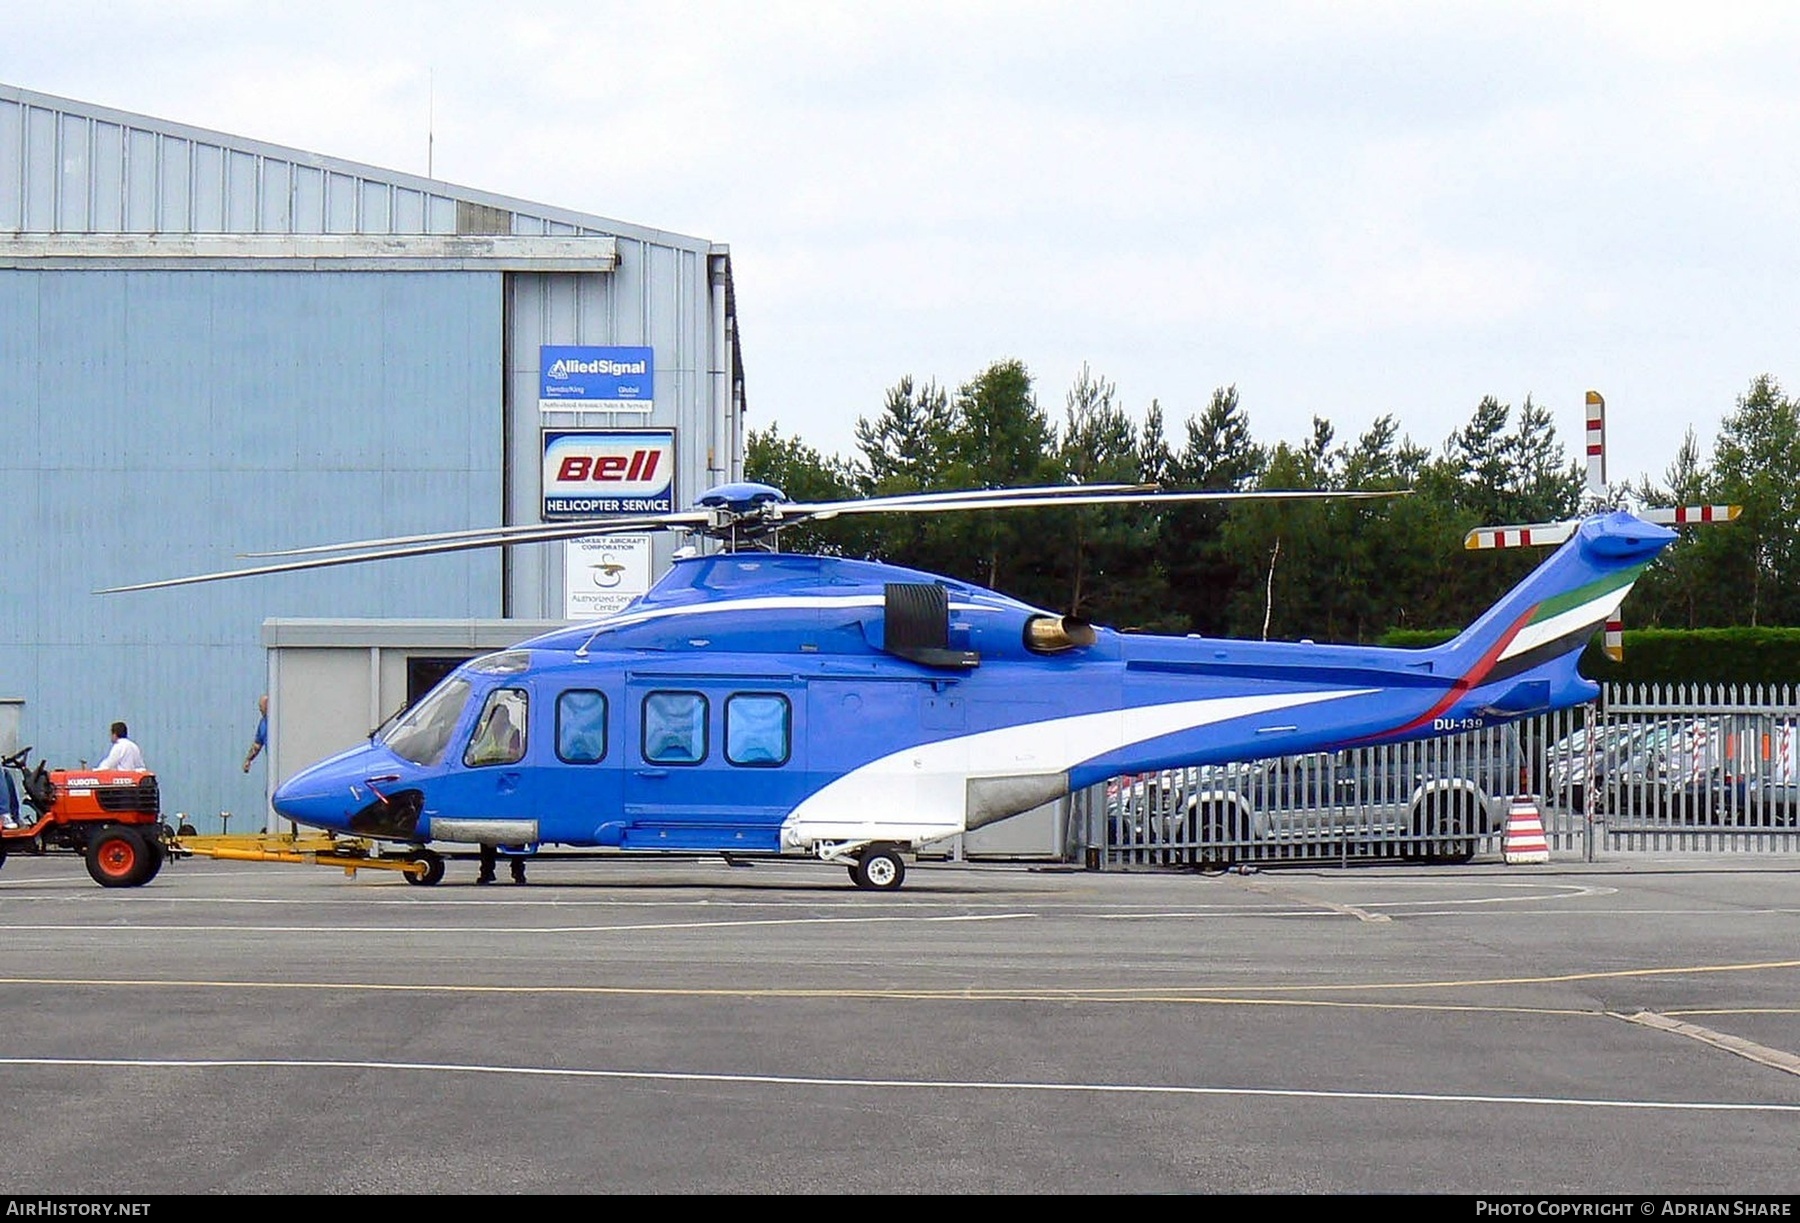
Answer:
[(312, 849)]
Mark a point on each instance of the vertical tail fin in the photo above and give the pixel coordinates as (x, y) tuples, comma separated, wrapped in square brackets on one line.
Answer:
[(1538, 630)]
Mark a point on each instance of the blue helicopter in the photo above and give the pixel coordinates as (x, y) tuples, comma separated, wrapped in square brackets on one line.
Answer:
[(756, 703)]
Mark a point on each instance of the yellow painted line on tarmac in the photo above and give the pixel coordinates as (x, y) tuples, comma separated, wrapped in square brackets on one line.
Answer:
[(796, 994), (1210, 994)]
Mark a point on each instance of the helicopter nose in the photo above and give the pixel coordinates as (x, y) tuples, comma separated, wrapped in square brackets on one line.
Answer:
[(313, 798), (326, 794), (361, 791)]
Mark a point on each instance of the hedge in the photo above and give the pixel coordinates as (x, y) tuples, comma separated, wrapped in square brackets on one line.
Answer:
[(1672, 656)]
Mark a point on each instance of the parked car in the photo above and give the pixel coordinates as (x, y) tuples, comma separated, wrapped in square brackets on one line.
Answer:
[(1742, 775), (1432, 799), (1609, 759), (1720, 769), (1139, 806)]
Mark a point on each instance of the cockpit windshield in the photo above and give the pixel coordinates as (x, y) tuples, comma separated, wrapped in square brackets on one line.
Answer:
[(424, 731)]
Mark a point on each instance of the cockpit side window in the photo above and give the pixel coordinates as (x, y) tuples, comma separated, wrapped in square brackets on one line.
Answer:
[(499, 736), (423, 732), (581, 726)]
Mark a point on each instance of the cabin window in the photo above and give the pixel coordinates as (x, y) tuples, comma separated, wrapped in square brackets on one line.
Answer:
[(674, 728), (499, 736), (581, 726), (757, 729)]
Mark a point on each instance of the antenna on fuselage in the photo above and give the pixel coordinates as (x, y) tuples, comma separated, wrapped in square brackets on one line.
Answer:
[(582, 652)]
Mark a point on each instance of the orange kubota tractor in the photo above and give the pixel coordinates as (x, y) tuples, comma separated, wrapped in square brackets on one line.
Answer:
[(112, 818)]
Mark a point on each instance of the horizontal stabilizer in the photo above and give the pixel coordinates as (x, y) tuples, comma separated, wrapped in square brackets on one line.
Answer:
[(1526, 697)]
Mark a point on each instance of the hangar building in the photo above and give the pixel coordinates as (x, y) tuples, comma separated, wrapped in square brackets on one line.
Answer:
[(210, 345)]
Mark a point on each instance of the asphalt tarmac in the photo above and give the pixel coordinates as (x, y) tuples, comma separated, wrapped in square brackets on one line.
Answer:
[(686, 1027)]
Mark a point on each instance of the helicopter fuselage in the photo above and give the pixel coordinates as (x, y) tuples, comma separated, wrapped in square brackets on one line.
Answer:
[(762, 703)]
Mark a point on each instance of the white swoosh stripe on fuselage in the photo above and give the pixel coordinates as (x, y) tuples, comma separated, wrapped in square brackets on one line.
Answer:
[(1563, 623), (763, 603), (920, 793)]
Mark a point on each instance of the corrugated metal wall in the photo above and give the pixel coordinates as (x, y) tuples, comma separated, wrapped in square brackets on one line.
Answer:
[(70, 167), (657, 299), (155, 423), (74, 168)]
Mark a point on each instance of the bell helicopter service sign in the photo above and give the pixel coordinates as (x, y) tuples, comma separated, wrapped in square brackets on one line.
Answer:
[(600, 473), (595, 378), (603, 574)]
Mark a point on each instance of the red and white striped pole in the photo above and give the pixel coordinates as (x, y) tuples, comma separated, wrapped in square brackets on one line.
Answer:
[(1596, 444)]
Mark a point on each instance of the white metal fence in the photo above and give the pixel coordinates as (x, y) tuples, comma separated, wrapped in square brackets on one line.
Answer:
[(1644, 768)]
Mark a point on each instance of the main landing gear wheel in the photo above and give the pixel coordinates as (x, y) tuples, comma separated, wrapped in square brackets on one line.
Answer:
[(434, 868), (118, 857), (879, 870)]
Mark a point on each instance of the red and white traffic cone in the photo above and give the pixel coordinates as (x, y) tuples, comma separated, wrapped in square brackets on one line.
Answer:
[(1524, 839)]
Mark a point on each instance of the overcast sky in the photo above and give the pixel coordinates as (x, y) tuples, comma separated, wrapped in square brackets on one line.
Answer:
[(1347, 210)]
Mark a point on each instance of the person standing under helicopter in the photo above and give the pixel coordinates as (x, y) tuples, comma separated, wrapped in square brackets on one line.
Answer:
[(490, 857)]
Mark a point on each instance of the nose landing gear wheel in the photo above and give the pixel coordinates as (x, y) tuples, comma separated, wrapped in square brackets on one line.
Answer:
[(434, 868), (879, 870)]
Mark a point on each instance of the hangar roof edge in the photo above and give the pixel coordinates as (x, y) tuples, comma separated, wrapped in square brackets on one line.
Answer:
[(398, 178)]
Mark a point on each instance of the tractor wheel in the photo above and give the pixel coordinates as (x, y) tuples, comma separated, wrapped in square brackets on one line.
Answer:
[(434, 868), (880, 870), (117, 857), (157, 855)]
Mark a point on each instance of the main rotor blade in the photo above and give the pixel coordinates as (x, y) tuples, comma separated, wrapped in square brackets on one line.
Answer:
[(547, 532), (903, 502), (1003, 499), (532, 532), (496, 536), (765, 517)]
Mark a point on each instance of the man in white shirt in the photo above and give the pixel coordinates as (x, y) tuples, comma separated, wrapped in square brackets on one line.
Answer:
[(124, 754)]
